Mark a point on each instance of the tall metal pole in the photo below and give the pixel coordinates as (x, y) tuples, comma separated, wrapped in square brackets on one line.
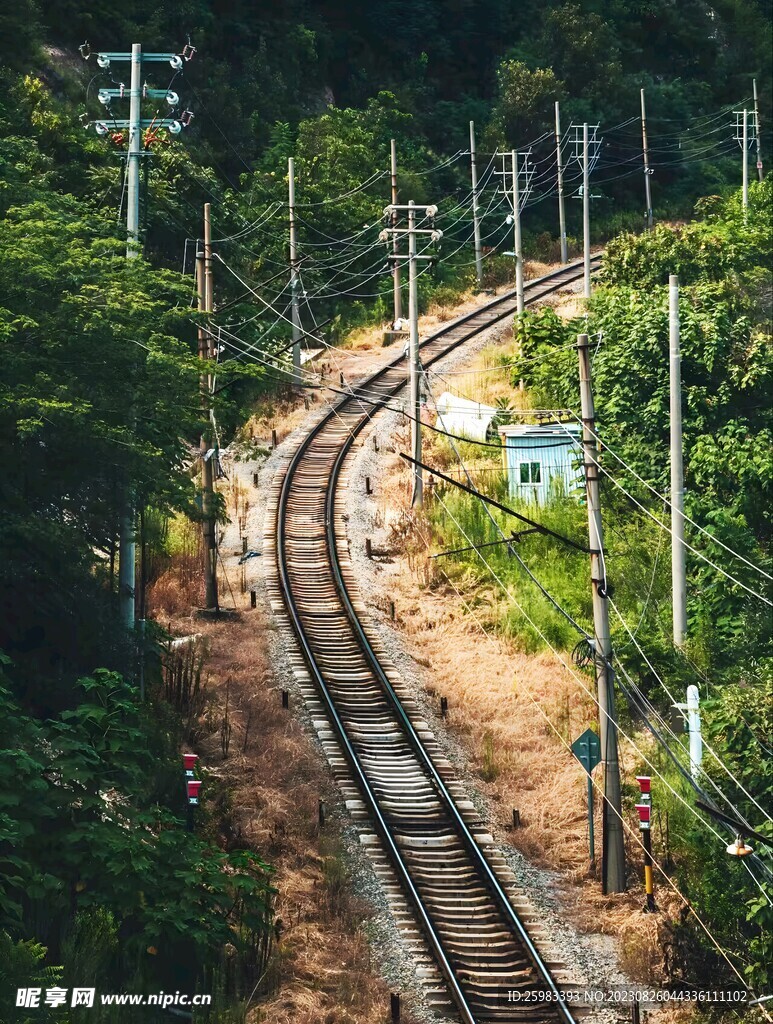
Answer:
[(757, 129), (678, 577), (414, 397), (398, 296), (745, 148), (613, 849), (127, 541), (560, 173), (295, 314), (517, 234), (134, 155), (585, 212), (475, 216), (207, 456), (645, 150)]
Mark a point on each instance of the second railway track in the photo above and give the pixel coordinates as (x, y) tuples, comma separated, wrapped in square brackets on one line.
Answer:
[(479, 943)]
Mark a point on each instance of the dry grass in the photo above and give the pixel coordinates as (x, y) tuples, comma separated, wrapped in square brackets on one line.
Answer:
[(266, 797)]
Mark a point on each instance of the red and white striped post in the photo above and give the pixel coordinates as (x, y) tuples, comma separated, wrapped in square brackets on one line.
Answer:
[(645, 816)]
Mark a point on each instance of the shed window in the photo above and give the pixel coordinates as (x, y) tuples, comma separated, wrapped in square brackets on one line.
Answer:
[(530, 473)]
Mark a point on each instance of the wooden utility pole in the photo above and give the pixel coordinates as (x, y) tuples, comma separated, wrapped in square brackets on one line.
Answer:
[(613, 849), (560, 176), (678, 576), (757, 129), (398, 295), (647, 173), (207, 452), (475, 215), (295, 313)]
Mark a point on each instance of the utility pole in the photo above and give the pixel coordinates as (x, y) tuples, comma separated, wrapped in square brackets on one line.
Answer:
[(127, 537), (514, 195), (613, 855), (414, 384), (585, 212), (206, 450), (560, 173), (757, 129), (475, 217), (135, 154), (398, 296), (647, 172), (517, 234), (745, 148), (295, 313), (678, 577), (414, 365)]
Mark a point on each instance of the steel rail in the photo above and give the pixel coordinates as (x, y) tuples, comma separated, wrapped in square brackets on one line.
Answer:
[(500, 307)]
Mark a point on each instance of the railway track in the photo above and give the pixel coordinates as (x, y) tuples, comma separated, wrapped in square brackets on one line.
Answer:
[(388, 762)]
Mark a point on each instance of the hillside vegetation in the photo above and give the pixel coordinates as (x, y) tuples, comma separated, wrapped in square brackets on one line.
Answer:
[(99, 875)]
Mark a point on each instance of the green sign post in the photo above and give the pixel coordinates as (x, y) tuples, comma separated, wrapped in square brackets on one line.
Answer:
[(587, 750)]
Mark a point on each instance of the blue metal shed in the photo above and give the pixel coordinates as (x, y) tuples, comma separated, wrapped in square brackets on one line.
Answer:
[(542, 460)]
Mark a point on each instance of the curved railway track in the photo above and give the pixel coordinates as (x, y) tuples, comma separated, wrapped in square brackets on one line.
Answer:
[(477, 938)]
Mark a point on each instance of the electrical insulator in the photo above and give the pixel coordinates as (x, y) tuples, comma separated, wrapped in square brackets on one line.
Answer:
[(174, 127), (387, 211), (104, 97), (383, 236), (431, 211), (100, 127), (436, 235), (172, 99), (103, 61), (176, 62)]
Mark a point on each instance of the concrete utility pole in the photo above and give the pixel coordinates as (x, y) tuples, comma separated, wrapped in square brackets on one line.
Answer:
[(517, 234), (414, 383), (613, 855), (475, 216), (127, 537), (295, 313), (560, 175), (135, 154), (207, 452), (414, 365), (745, 149), (678, 577), (585, 212), (398, 296), (647, 172), (757, 129)]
